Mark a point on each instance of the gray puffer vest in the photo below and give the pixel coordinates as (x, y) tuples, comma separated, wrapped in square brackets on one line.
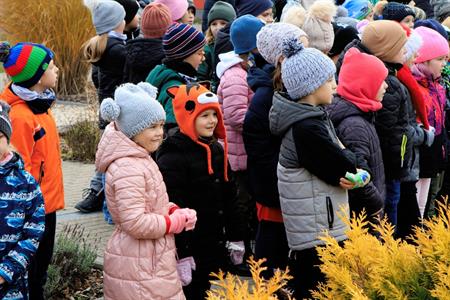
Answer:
[(309, 205)]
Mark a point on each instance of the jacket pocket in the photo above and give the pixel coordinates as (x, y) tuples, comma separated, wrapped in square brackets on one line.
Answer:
[(41, 172), (330, 212)]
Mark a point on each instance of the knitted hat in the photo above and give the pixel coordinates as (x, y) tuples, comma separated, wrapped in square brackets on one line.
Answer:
[(243, 33), (191, 6), (397, 11), (182, 40), (221, 11), (253, 7), (318, 25), (106, 14), (384, 39), (155, 20), (441, 9), (295, 15), (134, 109), (270, 37), (342, 37), (131, 8), (360, 79), (432, 24), (304, 70), (5, 122), (420, 13), (177, 8), (358, 9), (25, 63), (434, 45), (189, 101)]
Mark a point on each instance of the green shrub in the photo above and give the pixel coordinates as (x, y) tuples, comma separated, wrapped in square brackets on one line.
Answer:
[(81, 139), (62, 25)]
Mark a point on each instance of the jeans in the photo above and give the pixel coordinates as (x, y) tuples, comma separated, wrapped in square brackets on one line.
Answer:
[(392, 200), (97, 181)]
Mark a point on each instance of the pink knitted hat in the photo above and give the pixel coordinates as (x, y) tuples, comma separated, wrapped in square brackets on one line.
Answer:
[(177, 8), (434, 45)]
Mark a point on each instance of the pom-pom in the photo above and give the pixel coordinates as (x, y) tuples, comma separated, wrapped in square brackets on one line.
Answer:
[(323, 10), (149, 89), (91, 4), (5, 47), (292, 46), (109, 109)]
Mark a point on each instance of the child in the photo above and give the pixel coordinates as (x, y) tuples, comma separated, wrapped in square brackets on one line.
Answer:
[(35, 137), (140, 257), (177, 8), (189, 16), (132, 18), (219, 16), (359, 9), (263, 148), (359, 94), (432, 58), (22, 216), (207, 7), (183, 47), (399, 12), (312, 161), (144, 54), (196, 172)]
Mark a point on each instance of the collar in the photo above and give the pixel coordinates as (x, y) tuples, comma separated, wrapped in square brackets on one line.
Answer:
[(183, 68), (117, 35), (39, 103)]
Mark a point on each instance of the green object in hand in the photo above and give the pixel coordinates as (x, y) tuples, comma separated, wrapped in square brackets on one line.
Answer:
[(360, 179)]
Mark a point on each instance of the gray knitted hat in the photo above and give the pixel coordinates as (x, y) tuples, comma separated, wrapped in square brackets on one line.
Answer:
[(305, 69), (5, 122), (270, 37), (106, 14), (441, 9), (134, 108)]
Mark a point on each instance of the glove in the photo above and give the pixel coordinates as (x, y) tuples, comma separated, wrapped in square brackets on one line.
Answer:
[(237, 251), (184, 269), (429, 136), (360, 179), (191, 218), (176, 221)]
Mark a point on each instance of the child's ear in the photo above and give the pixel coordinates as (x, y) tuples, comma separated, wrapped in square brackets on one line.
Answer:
[(206, 84), (172, 91)]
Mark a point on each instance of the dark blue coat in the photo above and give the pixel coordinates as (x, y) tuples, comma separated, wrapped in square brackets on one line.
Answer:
[(22, 224), (261, 145)]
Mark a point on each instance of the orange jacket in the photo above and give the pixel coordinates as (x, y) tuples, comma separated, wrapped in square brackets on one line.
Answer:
[(36, 138)]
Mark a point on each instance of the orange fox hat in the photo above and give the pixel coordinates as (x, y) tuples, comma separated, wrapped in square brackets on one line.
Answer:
[(189, 101)]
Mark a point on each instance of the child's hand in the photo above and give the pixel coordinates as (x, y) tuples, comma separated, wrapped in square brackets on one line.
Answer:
[(360, 179), (346, 184), (191, 218)]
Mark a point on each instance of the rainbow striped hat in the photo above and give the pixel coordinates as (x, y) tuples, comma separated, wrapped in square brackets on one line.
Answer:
[(25, 63)]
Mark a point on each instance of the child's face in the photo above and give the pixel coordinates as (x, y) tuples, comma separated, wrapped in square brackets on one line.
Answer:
[(4, 148), (381, 91), (399, 58), (206, 123), (436, 65), (133, 25), (408, 21), (196, 59), (216, 25), (266, 16), (50, 77), (324, 94), (188, 17), (150, 138)]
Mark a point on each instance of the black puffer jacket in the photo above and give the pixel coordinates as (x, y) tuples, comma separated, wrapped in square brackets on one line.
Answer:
[(142, 56), (356, 130), (183, 165), (261, 146)]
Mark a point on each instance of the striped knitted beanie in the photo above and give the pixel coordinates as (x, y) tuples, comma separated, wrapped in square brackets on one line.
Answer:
[(182, 40), (25, 63)]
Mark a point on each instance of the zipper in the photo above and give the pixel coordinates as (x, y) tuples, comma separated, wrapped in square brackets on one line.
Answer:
[(41, 172), (403, 149), (330, 213)]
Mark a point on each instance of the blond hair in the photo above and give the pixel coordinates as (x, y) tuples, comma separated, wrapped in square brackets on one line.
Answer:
[(209, 36), (277, 80), (94, 48)]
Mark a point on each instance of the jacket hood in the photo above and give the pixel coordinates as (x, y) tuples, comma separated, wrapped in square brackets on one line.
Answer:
[(284, 113), (162, 74), (227, 60), (341, 109), (15, 163), (115, 145), (260, 77), (142, 52)]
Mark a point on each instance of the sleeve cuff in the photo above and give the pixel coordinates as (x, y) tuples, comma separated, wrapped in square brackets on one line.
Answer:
[(173, 208), (167, 223)]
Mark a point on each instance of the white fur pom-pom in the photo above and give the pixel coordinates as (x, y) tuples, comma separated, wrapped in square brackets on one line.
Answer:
[(149, 89), (323, 10), (109, 110)]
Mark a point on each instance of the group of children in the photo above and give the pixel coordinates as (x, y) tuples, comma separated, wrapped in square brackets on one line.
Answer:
[(256, 131)]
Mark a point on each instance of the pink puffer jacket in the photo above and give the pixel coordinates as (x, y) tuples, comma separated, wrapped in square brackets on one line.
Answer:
[(140, 259), (235, 96)]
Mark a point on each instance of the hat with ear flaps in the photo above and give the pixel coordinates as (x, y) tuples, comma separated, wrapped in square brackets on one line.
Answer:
[(189, 101)]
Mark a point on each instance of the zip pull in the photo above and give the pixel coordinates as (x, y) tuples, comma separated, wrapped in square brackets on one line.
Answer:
[(330, 213), (403, 149)]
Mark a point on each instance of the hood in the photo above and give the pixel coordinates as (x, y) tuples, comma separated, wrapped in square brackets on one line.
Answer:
[(142, 52), (114, 145), (284, 113), (161, 74), (9, 97), (15, 163), (260, 77), (227, 60), (341, 109)]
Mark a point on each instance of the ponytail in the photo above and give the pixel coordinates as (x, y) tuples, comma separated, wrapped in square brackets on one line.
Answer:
[(277, 81), (94, 48)]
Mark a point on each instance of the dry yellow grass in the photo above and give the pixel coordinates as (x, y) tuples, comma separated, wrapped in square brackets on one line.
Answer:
[(62, 25)]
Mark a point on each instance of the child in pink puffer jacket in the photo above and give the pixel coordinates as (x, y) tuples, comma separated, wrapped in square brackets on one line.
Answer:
[(140, 258)]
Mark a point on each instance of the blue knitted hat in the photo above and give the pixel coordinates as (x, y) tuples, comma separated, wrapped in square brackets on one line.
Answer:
[(358, 9), (134, 109), (182, 40), (304, 70), (432, 24), (243, 33), (252, 7)]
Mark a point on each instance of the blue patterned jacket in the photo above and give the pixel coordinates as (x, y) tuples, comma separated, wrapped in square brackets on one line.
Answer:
[(22, 224)]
